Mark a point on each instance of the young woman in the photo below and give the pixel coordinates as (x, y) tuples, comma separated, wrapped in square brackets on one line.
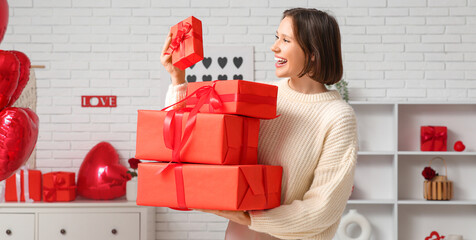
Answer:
[(314, 139)]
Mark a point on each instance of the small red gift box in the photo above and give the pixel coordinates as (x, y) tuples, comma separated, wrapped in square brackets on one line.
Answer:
[(215, 139), (200, 186), (239, 97), (59, 187), (433, 138), (34, 186), (186, 46)]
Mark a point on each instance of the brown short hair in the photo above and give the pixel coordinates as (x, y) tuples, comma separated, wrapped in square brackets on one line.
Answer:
[(318, 35)]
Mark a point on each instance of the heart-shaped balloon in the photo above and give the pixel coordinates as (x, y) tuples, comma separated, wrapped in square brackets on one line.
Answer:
[(101, 176), (18, 136), (23, 78), (3, 18), (9, 74)]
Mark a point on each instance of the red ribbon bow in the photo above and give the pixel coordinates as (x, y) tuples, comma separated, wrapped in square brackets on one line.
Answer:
[(173, 120), (58, 184), (178, 40)]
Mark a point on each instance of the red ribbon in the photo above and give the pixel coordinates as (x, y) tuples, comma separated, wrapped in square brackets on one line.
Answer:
[(265, 182), (58, 184), (180, 187), (173, 120), (173, 133), (430, 134)]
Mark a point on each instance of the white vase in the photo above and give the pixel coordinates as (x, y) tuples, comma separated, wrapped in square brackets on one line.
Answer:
[(131, 189), (353, 217)]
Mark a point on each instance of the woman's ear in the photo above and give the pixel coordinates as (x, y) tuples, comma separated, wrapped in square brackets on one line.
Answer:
[(313, 57)]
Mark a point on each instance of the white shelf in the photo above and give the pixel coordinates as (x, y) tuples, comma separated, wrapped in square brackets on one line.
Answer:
[(427, 202), (372, 202), (388, 181), (435, 153), (376, 153)]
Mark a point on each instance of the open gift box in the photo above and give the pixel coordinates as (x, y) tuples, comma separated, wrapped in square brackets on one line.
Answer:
[(221, 187)]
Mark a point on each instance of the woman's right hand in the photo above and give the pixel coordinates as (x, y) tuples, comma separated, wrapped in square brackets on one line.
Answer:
[(177, 75)]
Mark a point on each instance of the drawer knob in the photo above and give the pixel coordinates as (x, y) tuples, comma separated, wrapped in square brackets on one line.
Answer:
[(62, 231), (114, 231), (8, 232)]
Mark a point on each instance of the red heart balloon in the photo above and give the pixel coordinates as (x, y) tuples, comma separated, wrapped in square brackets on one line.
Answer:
[(18, 136), (24, 75), (3, 18), (9, 74), (101, 176)]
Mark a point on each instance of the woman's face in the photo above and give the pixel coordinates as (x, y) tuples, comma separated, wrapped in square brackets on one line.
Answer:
[(289, 56)]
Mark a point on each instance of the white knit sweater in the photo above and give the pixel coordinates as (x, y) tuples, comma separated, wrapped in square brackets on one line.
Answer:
[(315, 141)]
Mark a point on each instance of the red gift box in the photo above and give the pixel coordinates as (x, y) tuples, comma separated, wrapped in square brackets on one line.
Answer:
[(433, 138), (239, 97), (59, 187), (199, 186), (186, 46), (215, 139), (34, 186)]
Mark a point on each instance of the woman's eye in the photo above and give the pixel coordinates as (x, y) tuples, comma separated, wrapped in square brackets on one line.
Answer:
[(276, 37), (285, 40)]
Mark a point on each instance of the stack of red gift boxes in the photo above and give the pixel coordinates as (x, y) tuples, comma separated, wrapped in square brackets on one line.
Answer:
[(28, 185), (212, 144), (208, 150)]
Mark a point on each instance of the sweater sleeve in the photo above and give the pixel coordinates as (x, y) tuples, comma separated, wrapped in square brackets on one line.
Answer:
[(318, 214), (175, 94)]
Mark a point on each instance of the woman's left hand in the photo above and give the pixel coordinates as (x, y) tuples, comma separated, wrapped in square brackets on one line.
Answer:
[(240, 217)]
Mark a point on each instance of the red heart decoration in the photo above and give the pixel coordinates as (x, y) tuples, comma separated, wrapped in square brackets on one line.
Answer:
[(3, 18), (459, 146), (18, 136), (101, 176), (24, 75), (9, 74)]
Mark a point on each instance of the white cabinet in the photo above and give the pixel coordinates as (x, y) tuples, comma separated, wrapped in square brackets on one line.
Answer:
[(388, 181), (17, 226), (80, 219), (122, 226)]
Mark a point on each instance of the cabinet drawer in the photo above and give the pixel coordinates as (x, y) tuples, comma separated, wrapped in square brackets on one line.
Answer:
[(17, 226), (91, 226)]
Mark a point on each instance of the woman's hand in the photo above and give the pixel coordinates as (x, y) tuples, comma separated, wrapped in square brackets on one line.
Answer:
[(240, 217), (177, 75)]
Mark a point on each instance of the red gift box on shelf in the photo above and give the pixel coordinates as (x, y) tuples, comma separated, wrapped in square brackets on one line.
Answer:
[(215, 139), (59, 187), (199, 186), (239, 97), (433, 138), (187, 44), (34, 186)]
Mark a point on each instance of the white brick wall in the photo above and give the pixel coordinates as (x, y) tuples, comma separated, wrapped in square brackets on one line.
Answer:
[(394, 50)]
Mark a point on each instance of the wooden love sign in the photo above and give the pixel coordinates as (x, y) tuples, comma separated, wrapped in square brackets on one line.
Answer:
[(98, 101)]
